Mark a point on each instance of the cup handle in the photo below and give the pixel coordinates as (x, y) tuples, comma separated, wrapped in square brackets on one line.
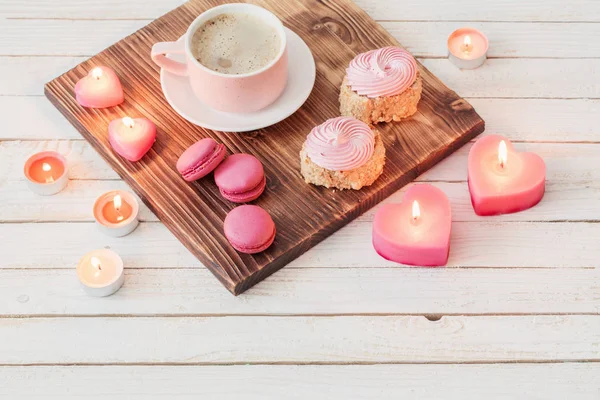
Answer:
[(158, 56)]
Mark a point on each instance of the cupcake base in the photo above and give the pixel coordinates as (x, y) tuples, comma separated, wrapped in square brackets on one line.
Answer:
[(352, 179), (380, 109)]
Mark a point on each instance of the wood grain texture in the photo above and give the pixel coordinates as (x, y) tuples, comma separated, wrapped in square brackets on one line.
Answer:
[(534, 120), (385, 10), (485, 243), (579, 381), (300, 339), (565, 162), (563, 201), (335, 31), (61, 37), (310, 291)]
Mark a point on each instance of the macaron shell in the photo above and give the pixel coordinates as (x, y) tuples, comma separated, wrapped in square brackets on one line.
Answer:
[(239, 173), (249, 229), (247, 196), (200, 159)]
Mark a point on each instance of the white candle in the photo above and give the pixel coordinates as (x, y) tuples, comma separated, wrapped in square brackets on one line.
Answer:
[(467, 48), (101, 272), (46, 173), (116, 213)]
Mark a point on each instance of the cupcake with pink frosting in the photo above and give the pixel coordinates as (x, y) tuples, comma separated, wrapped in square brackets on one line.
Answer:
[(381, 85), (342, 153)]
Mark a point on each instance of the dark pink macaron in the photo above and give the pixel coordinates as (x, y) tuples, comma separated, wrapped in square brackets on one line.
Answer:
[(200, 159), (240, 178), (249, 229)]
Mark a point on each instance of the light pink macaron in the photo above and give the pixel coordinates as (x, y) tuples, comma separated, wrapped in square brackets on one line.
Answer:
[(240, 178), (249, 229), (200, 159)]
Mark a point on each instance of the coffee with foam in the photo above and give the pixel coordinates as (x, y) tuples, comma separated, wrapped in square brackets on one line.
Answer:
[(235, 44)]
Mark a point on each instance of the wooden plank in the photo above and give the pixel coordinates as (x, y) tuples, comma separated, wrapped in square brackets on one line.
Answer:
[(485, 243), (473, 10), (537, 120), (498, 78), (33, 71), (34, 118), (562, 201), (195, 212), (83, 161), (537, 78), (541, 120), (311, 291), (507, 39), (342, 339), (63, 37), (424, 39), (411, 10), (492, 382), (566, 162)]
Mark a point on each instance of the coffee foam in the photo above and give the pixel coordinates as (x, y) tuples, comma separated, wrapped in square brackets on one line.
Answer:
[(235, 43)]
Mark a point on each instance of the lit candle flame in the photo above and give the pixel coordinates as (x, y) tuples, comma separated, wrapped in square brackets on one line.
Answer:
[(97, 72), (467, 42), (117, 203), (46, 168), (467, 45), (416, 210), (502, 154), (96, 264), (129, 122)]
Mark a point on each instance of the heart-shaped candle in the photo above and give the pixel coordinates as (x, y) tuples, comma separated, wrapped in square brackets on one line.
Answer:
[(416, 231), (502, 181), (131, 138), (101, 88)]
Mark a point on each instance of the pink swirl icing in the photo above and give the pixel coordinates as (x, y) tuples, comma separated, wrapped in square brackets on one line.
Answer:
[(340, 144), (383, 72)]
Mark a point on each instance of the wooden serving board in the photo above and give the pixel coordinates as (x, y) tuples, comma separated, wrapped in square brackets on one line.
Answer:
[(335, 31)]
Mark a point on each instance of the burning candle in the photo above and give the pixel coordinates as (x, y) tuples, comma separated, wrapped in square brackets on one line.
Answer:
[(101, 88), (131, 138), (416, 231), (116, 213), (467, 48), (101, 272), (46, 173), (501, 180)]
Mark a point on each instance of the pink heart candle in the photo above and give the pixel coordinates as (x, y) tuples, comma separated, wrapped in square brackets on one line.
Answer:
[(501, 180), (416, 231), (131, 138), (101, 88)]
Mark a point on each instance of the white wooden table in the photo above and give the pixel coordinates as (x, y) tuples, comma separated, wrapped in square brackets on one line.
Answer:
[(516, 314)]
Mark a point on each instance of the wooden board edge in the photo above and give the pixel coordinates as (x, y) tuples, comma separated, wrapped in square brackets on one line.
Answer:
[(246, 283), (229, 284)]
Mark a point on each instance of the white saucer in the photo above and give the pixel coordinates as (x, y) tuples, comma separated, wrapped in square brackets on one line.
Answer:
[(301, 79)]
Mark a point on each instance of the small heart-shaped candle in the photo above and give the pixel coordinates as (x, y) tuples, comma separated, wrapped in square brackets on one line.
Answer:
[(101, 88), (131, 138), (502, 181), (416, 231)]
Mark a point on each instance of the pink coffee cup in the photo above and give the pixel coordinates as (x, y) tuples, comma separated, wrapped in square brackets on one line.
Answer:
[(241, 93)]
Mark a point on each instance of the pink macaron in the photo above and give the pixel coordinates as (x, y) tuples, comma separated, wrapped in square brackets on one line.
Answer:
[(200, 159), (240, 178), (249, 229)]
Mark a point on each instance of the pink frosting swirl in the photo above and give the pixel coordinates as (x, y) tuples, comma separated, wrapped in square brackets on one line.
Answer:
[(383, 72), (340, 144)]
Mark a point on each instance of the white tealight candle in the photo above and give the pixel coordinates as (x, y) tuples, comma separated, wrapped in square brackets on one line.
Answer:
[(467, 48), (101, 272), (116, 213), (46, 173)]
